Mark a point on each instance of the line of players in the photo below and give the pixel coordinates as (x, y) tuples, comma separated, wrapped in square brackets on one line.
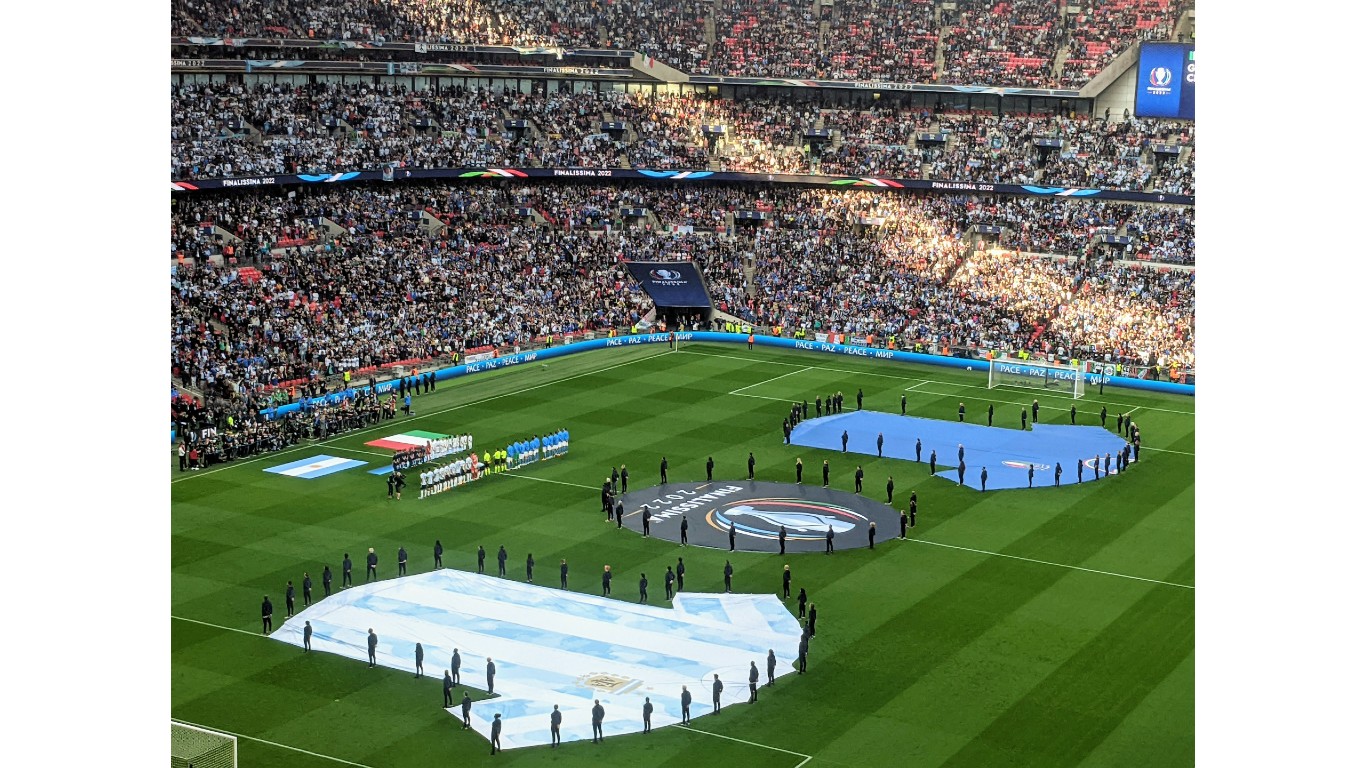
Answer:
[(524, 452), (447, 477), (518, 454)]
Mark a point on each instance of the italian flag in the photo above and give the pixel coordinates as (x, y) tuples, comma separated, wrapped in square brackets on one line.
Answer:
[(403, 442)]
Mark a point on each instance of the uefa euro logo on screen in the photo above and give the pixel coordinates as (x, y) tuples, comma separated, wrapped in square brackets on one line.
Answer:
[(1159, 81)]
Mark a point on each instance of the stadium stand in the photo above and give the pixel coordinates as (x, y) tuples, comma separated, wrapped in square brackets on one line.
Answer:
[(272, 294), (1002, 41), (1104, 28), (222, 130), (360, 277), (993, 42)]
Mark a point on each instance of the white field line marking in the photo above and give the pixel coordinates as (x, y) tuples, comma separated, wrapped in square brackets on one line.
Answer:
[(273, 744), (546, 480), (917, 384), (384, 425), (902, 378), (742, 741), (1169, 450), (218, 626), (1042, 406), (766, 381), (799, 365), (1058, 565), (760, 397), (389, 456)]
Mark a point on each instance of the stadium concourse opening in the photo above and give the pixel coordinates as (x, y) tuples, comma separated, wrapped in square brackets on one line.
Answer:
[(759, 511)]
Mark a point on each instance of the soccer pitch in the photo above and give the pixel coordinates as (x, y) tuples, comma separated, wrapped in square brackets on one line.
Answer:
[(1049, 627)]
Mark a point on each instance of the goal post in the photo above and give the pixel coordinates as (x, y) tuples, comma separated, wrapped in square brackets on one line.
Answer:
[(195, 747), (1036, 375)]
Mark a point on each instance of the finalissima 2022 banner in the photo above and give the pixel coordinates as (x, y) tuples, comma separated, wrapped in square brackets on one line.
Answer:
[(671, 283)]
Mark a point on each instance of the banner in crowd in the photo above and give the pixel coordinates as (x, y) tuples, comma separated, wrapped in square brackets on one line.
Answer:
[(645, 174), (386, 45), (671, 283)]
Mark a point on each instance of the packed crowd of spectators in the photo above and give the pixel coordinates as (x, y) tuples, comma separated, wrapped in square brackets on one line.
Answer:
[(876, 142), (768, 38), (1105, 28), (226, 129), (1134, 315), (989, 148), (994, 42), (1002, 41), (353, 277), (324, 128), (898, 265), (884, 40), (571, 129), (384, 288), (672, 32), (1095, 153)]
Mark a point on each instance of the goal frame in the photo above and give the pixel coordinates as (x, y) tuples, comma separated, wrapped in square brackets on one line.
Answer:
[(1035, 374), (227, 738)]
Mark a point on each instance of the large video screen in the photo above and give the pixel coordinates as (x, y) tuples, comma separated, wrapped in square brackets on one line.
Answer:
[(1166, 81), (671, 283)]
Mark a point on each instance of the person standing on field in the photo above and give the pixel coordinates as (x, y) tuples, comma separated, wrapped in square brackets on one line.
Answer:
[(598, 714)]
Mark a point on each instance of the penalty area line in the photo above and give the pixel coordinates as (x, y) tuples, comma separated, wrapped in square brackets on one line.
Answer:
[(219, 626), (910, 378), (766, 381), (805, 757), (272, 743), (544, 480), (1058, 565)]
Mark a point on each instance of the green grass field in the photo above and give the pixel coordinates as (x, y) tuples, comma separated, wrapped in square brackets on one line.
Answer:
[(1053, 627)]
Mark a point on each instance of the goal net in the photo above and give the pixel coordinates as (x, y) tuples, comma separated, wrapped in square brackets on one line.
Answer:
[(1036, 375), (195, 747)]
